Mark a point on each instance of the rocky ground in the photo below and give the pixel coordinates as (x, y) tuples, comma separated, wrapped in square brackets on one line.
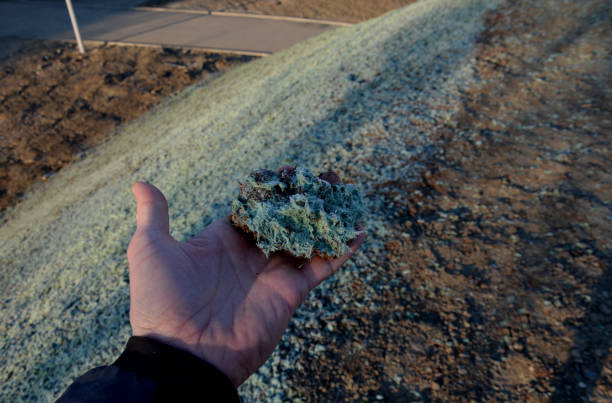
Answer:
[(337, 10), (496, 280)]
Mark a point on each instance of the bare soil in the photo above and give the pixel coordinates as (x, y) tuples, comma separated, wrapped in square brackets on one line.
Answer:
[(496, 281), (344, 11), (56, 103)]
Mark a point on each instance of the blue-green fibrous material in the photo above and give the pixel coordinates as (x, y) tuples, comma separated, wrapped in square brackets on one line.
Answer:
[(298, 212)]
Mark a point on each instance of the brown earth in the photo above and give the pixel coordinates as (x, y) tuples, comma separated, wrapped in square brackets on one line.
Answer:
[(496, 282), (345, 11), (56, 103)]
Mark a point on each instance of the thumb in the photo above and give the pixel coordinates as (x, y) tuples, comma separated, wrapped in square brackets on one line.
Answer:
[(152, 208)]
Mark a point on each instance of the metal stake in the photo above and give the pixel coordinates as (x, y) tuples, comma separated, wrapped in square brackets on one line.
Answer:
[(75, 26)]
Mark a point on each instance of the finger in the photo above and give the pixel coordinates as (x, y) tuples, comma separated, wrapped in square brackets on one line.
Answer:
[(318, 269), (152, 208)]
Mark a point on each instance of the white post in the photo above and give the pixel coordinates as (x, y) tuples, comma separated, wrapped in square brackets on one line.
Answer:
[(75, 26)]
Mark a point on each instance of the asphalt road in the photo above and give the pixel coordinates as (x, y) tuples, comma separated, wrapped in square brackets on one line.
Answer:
[(118, 22)]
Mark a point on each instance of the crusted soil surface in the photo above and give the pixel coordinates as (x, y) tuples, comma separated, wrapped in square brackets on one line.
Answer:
[(495, 283), (56, 103), (341, 10)]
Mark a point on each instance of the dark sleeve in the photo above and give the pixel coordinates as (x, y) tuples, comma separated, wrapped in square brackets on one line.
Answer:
[(151, 371)]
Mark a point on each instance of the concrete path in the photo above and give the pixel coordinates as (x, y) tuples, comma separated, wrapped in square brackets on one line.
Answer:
[(117, 22)]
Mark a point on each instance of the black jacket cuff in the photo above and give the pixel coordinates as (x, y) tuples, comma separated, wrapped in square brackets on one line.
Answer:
[(178, 373)]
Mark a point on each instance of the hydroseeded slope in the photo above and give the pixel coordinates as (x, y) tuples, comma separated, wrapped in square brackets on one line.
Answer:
[(361, 99)]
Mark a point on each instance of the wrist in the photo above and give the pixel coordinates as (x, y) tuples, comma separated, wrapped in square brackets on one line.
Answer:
[(192, 348), (173, 367)]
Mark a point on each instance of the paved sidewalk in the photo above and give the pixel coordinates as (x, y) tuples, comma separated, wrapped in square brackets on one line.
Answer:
[(107, 22)]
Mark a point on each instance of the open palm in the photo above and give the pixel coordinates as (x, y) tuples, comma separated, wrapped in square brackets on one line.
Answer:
[(216, 295)]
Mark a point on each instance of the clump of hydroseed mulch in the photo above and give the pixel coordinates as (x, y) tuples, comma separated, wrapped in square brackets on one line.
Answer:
[(295, 211)]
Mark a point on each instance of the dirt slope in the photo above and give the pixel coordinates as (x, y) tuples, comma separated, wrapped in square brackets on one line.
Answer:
[(496, 279)]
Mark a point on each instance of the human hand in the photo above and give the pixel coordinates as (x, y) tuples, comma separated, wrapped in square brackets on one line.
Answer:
[(216, 295)]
